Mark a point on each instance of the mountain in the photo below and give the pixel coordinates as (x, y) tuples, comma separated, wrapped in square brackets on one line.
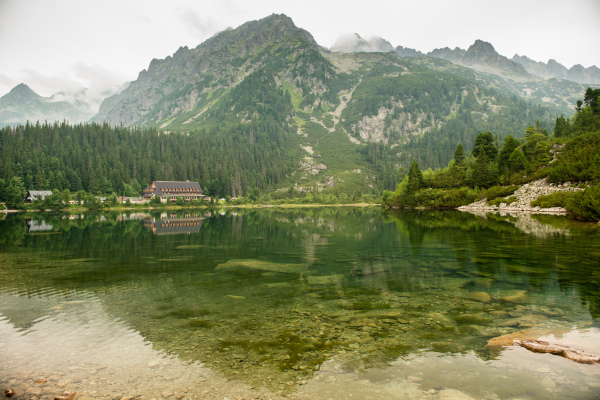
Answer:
[(483, 57), (553, 69), (192, 79), (263, 108), (356, 44), (407, 52), (22, 104), (336, 119)]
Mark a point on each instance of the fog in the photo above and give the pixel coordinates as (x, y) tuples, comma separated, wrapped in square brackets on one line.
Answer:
[(354, 44), (68, 45)]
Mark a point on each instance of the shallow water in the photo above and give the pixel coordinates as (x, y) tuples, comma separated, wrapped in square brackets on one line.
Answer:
[(315, 303)]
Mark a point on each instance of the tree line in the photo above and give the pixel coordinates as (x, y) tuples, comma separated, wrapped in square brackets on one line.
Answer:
[(227, 160), (572, 154)]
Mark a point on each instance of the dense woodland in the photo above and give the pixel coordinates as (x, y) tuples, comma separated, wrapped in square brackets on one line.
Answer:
[(571, 154), (101, 159)]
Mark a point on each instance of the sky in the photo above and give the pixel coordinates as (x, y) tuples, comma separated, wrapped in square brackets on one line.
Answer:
[(69, 45)]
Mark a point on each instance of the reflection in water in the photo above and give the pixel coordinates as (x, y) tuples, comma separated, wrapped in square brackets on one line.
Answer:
[(294, 300), (173, 224), (38, 226)]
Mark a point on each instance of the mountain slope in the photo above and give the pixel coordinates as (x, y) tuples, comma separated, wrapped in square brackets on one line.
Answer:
[(193, 79), (338, 121)]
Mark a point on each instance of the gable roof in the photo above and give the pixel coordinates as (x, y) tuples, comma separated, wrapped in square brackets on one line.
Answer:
[(38, 194), (173, 188), (176, 185)]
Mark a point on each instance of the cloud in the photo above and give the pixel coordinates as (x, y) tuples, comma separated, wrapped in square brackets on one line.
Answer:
[(200, 25), (355, 43), (82, 83)]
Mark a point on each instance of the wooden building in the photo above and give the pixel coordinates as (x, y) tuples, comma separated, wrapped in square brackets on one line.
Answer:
[(171, 190), (34, 195)]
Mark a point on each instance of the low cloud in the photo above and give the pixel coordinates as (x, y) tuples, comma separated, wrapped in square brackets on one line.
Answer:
[(356, 44), (83, 84), (201, 26)]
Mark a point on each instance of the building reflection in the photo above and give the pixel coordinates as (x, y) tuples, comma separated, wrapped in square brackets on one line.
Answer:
[(38, 226), (172, 224)]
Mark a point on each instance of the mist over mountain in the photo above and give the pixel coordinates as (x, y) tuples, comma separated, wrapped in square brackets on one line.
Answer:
[(356, 44), (481, 56), (553, 69), (22, 104)]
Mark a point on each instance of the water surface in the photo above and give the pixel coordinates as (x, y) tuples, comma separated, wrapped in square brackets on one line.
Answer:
[(319, 303)]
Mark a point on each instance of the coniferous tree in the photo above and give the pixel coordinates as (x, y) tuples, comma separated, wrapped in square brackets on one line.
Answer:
[(415, 178), (459, 155)]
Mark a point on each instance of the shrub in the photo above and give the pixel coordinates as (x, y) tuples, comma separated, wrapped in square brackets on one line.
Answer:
[(499, 200), (499, 191), (585, 205), (556, 199)]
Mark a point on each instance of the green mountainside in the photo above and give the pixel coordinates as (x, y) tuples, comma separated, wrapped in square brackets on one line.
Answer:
[(264, 109)]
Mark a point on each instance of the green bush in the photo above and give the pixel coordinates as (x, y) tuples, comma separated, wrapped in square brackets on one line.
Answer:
[(556, 199), (585, 205), (499, 200), (436, 198), (498, 191), (578, 161)]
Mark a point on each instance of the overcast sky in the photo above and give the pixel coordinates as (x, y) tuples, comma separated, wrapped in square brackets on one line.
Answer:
[(54, 45)]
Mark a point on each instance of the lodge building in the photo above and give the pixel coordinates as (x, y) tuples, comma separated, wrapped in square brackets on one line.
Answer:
[(171, 190)]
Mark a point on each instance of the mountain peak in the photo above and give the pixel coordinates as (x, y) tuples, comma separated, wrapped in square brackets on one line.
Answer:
[(23, 92), (480, 52)]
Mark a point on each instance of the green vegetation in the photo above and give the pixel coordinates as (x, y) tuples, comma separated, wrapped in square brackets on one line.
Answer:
[(494, 175), (101, 160)]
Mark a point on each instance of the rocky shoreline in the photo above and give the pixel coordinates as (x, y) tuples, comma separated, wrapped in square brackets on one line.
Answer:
[(525, 195)]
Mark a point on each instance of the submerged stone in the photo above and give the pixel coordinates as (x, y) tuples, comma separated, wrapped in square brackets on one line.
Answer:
[(474, 319), (287, 268), (482, 297), (324, 280), (516, 296)]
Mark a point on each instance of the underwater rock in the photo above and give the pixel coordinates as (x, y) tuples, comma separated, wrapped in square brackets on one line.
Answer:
[(523, 322), (474, 319), (528, 334), (324, 279), (481, 297), (541, 346), (264, 265), (66, 395), (441, 320), (516, 296), (36, 391), (453, 394)]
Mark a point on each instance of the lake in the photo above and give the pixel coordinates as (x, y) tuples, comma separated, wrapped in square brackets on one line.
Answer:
[(331, 302)]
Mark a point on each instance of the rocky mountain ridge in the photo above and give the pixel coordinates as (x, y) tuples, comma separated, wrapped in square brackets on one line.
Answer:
[(553, 69), (481, 55)]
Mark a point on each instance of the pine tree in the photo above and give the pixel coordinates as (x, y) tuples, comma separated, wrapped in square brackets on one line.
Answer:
[(415, 178), (459, 155)]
